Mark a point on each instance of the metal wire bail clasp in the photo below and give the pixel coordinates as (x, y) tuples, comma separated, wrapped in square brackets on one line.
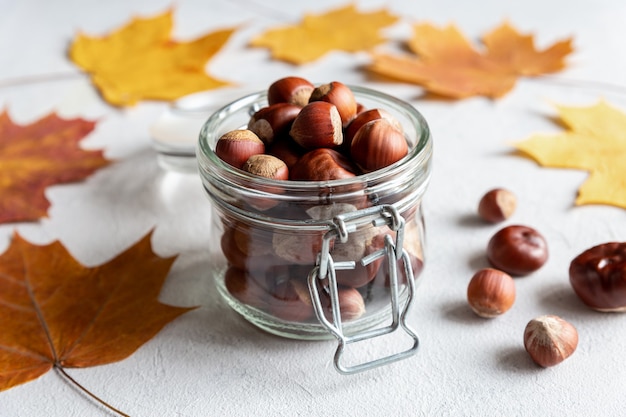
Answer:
[(325, 268)]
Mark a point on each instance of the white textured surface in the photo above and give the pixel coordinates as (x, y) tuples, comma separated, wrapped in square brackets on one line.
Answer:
[(210, 362)]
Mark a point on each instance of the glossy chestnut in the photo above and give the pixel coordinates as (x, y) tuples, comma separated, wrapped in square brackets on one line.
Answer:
[(517, 250), (598, 276)]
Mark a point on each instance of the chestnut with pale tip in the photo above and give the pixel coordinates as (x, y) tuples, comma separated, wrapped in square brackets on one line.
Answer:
[(378, 144), (351, 303), (245, 289), (491, 292), (266, 166), (497, 205), (273, 121), (318, 125), (322, 164), (290, 301), (294, 90), (286, 149), (340, 95), (364, 117), (236, 146), (549, 340)]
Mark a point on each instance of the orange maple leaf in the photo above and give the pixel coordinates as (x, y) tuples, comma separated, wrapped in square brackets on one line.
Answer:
[(35, 156), (595, 142), (344, 28), (445, 63), (140, 61), (55, 312)]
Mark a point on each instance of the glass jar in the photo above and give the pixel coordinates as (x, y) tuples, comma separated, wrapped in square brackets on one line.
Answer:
[(311, 259)]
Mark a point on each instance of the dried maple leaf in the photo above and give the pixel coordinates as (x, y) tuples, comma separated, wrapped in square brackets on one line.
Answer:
[(340, 29), (595, 142), (35, 156), (55, 312), (139, 61), (445, 62)]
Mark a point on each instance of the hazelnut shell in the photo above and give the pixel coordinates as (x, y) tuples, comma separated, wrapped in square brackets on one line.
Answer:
[(549, 340)]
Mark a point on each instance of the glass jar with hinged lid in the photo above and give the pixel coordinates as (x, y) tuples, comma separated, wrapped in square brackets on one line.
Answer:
[(321, 259)]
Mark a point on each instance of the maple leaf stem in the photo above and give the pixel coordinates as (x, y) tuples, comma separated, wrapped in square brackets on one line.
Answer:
[(62, 371), (40, 78)]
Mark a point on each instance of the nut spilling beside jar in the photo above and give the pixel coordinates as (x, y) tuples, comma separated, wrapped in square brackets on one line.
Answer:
[(281, 167)]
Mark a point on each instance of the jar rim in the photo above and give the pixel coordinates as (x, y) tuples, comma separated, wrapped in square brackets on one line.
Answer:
[(419, 154)]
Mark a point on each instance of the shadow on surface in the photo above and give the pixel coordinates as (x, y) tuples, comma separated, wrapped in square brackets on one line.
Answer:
[(515, 359)]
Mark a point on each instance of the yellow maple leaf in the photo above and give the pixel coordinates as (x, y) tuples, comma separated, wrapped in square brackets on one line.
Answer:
[(140, 61), (340, 29), (445, 62), (595, 141)]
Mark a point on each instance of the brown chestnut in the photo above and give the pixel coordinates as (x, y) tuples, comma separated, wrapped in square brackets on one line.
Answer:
[(285, 149), (322, 164), (318, 125), (273, 121), (549, 340), (298, 249), (378, 144), (244, 288), (235, 250), (266, 166), (340, 95), (497, 205), (351, 303), (294, 90), (491, 292), (517, 250), (598, 277), (236, 146), (364, 117), (290, 300)]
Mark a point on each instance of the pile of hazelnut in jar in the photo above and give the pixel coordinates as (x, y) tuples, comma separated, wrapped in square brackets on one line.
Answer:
[(309, 133), (314, 134)]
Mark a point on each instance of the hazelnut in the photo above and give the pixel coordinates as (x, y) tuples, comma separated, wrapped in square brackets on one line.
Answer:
[(236, 146), (598, 277), (294, 90), (549, 340), (364, 117), (318, 125), (273, 121), (351, 303), (252, 241), (491, 292), (497, 205), (359, 245), (322, 164), (338, 94), (299, 249), (235, 252), (378, 144), (285, 149), (517, 250), (290, 300), (413, 248), (266, 166), (245, 289)]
